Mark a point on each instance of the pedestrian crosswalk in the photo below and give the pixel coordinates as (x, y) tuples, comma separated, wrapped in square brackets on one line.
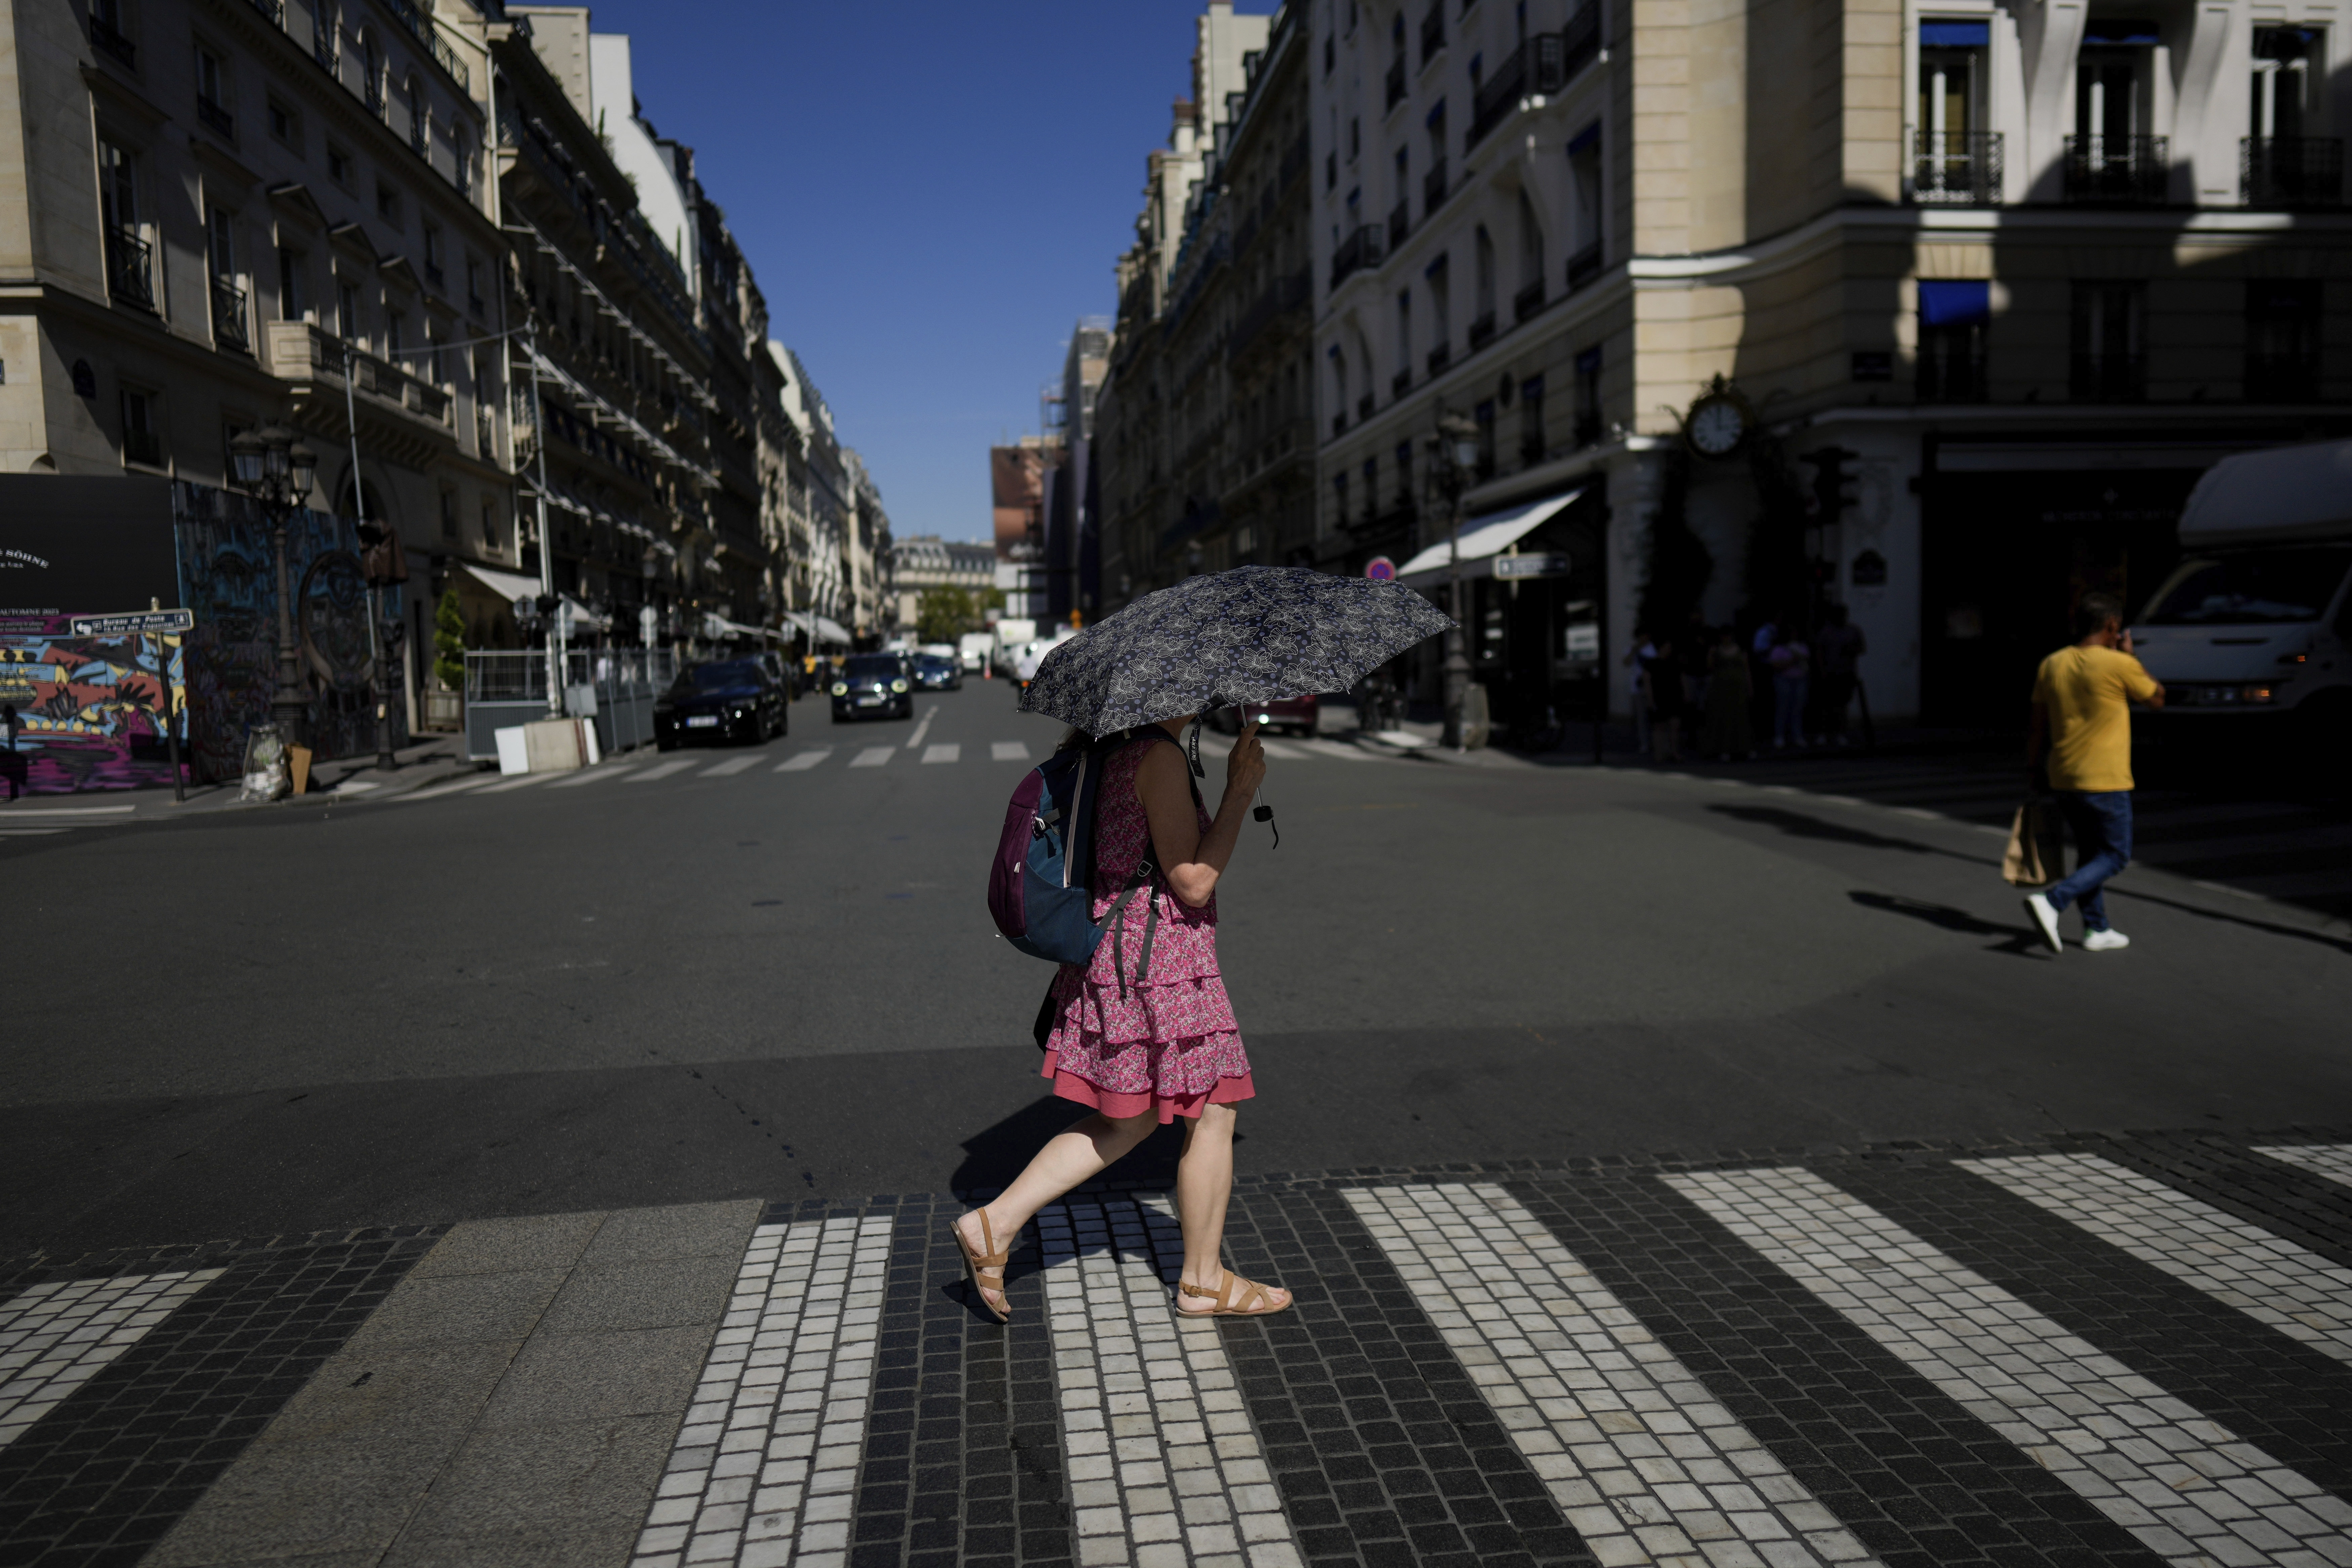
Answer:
[(1695, 1383)]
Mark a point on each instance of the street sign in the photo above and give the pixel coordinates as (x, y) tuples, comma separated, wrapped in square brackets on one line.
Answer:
[(1551, 566), (1381, 569), (141, 623)]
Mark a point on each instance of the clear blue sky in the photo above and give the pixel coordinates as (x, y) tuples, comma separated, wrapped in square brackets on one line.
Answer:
[(930, 195)]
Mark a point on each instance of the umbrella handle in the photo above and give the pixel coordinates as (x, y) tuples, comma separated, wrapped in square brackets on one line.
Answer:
[(1193, 748), (1265, 813)]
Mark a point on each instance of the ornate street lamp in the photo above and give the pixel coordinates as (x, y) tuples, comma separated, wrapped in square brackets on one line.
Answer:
[(273, 466), (1457, 443)]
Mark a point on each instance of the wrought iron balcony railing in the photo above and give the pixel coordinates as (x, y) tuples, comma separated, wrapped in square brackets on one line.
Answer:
[(1359, 249), (1432, 31), (107, 40), (130, 270), (216, 116), (1584, 266), (1956, 168), (2131, 171), (1363, 409), (1482, 330), (1528, 301), (1433, 189), (1400, 224), (2291, 171), (1400, 381), (1395, 83), (1440, 357), (230, 325)]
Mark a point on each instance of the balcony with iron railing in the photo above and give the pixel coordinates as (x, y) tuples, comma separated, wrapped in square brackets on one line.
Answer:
[(109, 40), (1395, 83), (1400, 383), (421, 26), (1440, 357), (304, 351), (1433, 189), (2291, 171), (1482, 330), (1400, 224), (2121, 171), (1364, 409), (1529, 300), (230, 328), (130, 270), (1956, 168), (1433, 32), (2107, 377), (1360, 249), (1540, 64)]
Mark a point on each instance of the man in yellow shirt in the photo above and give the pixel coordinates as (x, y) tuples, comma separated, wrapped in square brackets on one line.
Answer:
[(2082, 729)]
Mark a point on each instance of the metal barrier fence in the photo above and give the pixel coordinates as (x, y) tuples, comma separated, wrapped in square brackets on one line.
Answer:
[(615, 687)]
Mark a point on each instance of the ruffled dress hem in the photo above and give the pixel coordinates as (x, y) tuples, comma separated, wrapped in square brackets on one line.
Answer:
[(1119, 1106)]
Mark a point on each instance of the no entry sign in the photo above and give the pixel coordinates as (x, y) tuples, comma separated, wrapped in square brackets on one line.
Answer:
[(1381, 569)]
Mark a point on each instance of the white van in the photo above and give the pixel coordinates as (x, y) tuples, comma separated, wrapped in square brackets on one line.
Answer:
[(975, 648), (2256, 621)]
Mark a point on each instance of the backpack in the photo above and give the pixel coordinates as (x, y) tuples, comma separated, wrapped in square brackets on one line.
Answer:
[(1038, 885)]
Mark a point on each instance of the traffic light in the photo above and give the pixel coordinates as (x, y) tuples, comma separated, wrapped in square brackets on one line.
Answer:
[(1833, 482)]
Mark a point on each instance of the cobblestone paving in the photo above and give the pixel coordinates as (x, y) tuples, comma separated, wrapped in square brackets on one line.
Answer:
[(2103, 1351)]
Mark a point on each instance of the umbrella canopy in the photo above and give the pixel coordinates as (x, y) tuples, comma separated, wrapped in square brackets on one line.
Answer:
[(1251, 635)]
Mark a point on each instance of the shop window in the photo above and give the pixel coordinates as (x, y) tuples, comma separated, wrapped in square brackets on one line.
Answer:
[(2109, 337), (2283, 334), (1953, 319)]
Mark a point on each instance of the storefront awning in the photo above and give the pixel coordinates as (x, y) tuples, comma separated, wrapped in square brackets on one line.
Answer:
[(818, 628), (1483, 539), (720, 627), (512, 585)]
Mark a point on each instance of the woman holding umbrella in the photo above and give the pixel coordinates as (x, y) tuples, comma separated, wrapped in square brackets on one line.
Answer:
[(1143, 1033)]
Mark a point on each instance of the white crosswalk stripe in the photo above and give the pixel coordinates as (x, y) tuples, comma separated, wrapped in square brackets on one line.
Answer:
[(524, 781), (594, 775), (2185, 1487), (805, 760), (1646, 1464), (1008, 751), (1282, 752), (1334, 749), (873, 757), (947, 751), (1164, 1465), (55, 1338), (2268, 1277), (662, 771), (915, 740), (439, 791), (763, 1470), (2333, 1161), (733, 765)]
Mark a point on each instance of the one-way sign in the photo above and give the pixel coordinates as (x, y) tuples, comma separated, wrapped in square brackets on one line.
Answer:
[(139, 623)]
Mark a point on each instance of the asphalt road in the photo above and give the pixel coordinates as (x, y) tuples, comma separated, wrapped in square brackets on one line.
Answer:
[(779, 984)]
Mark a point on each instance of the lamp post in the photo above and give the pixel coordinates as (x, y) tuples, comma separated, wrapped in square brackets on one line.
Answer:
[(273, 466), (1456, 445)]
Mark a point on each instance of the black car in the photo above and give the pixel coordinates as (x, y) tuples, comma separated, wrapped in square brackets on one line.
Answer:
[(732, 700), (873, 685), (933, 673)]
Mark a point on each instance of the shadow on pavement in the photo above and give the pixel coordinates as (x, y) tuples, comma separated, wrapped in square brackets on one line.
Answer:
[(1797, 824), (2015, 940), (996, 1154)]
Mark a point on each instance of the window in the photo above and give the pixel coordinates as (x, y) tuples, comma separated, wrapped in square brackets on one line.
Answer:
[(1404, 475), (1584, 204), (1481, 271), (1531, 422), (1355, 138), (2109, 357), (211, 93), (1339, 495), (396, 333), (474, 284), (490, 525), (285, 125), (106, 31), (339, 165), (420, 118), (432, 269), (325, 37), (1953, 159), (130, 269), (293, 284), (2113, 154), (2282, 326), (372, 72), (2283, 164), (1372, 489), (228, 302), (1953, 317), (220, 243), (387, 203), (347, 311), (143, 443), (2282, 85), (1403, 339), (1438, 280), (1530, 296), (1484, 416), (449, 515), (1588, 396)]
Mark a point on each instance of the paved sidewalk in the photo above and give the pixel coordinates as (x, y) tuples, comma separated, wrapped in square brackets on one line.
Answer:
[(2103, 1350)]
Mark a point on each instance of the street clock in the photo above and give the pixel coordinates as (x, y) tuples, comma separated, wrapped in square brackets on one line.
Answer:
[(1719, 421)]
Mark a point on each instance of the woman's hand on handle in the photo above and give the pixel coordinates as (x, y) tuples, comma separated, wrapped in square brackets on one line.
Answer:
[(1246, 765), (1190, 860)]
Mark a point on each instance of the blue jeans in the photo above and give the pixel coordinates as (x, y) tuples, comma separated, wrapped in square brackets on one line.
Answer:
[(1788, 709), (2100, 822)]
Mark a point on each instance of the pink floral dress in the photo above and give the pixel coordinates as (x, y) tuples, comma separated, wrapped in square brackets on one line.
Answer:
[(1167, 1041)]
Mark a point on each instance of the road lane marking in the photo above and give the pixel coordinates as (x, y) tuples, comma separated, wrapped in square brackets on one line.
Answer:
[(923, 729), (661, 771), (733, 766), (8, 811), (947, 751), (1641, 1458), (590, 775), (355, 786), (524, 781), (871, 757), (2184, 1486), (805, 761), (765, 1465), (31, 832), (1281, 752), (2333, 1161), (1334, 749), (1008, 751), (460, 787), (54, 1338), (1162, 1458), (2267, 1277)]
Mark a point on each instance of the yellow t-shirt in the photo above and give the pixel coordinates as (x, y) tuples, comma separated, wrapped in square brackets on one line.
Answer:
[(2085, 693)]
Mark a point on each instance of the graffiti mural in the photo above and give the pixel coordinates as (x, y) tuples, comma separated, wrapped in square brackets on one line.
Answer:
[(89, 710)]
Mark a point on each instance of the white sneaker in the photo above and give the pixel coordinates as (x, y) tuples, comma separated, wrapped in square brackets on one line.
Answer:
[(2105, 941), (2046, 921)]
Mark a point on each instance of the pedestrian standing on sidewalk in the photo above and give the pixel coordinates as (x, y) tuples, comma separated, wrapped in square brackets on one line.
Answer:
[(2082, 732), (1793, 663), (1838, 649), (1144, 1033), (1727, 732), (1637, 663), (1661, 692)]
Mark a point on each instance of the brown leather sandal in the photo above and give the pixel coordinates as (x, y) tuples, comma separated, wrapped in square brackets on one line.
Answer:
[(979, 1266), (1253, 1301)]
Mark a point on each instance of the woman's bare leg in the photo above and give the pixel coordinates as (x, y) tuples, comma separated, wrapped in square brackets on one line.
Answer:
[(1079, 1153), (1205, 1180)]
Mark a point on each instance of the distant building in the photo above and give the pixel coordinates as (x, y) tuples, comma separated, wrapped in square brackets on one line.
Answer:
[(1072, 503), (1017, 477), (926, 560)]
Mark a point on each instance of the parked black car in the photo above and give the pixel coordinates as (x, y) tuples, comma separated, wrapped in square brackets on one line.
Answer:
[(933, 673), (732, 700), (873, 685)]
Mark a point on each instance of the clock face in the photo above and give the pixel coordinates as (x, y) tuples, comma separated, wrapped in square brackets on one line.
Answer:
[(1718, 425)]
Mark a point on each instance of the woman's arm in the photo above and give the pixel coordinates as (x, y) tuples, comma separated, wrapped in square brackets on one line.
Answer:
[(1191, 859)]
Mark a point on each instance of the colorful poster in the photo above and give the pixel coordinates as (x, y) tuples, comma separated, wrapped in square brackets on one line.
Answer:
[(83, 713)]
